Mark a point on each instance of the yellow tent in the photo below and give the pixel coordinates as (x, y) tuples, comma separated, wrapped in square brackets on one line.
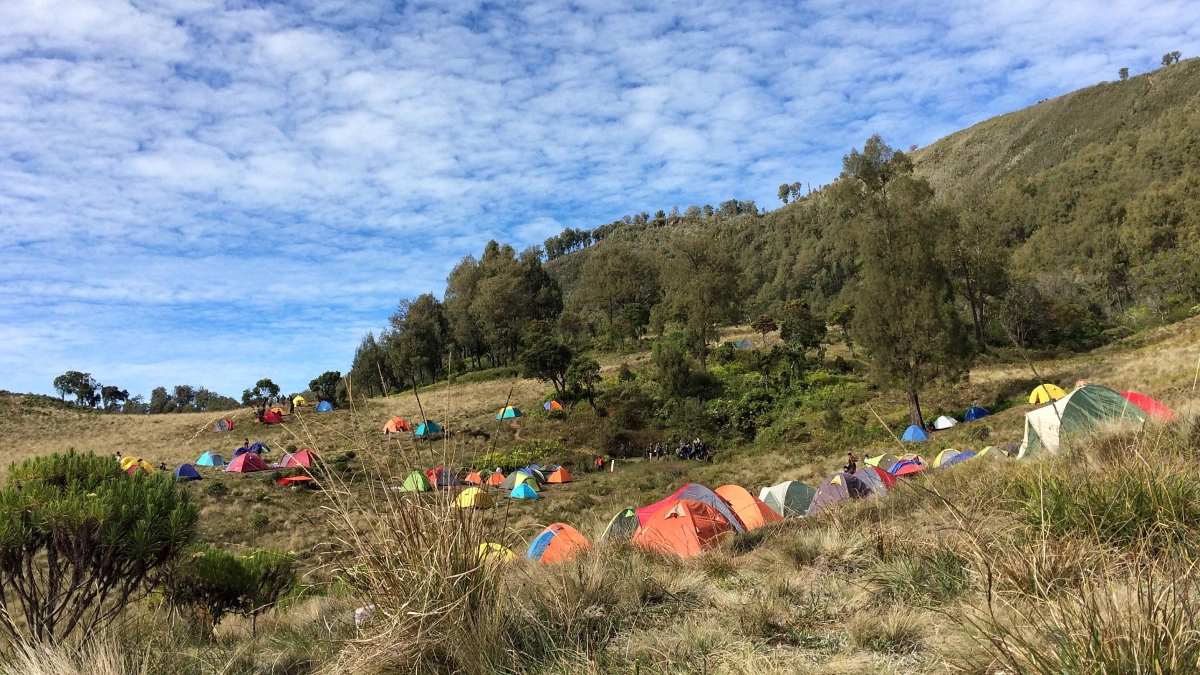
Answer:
[(1046, 393), (944, 455), (473, 498), (129, 464), (492, 551), (299, 401), (992, 451)]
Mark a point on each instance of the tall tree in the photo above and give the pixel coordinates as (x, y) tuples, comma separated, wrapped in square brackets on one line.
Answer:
[(801, 329), (544, 357), (905, 314), (325, 385), (80, 385), (977, 259), (702, 288), (764, 324), (616, 276)]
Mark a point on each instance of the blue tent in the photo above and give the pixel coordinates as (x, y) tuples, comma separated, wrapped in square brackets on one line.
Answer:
[(523, 491), (324, 406), (914, 434), (975, 414), (960, 457), (429, 428), (187, 472), (259, 447), (210, 458)]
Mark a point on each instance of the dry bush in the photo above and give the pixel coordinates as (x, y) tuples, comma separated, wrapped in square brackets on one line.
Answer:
[(830, 546), (896, 630), (98, 657)]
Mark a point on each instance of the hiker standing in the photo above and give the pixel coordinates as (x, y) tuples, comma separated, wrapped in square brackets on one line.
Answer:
[(851, 463)]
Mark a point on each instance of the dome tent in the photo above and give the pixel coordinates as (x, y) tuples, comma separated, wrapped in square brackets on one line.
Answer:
[(836, 488), (622, 526), (473, 498), (187, 472), (416, 482), (975, 413), (1044, 393), (749, 509), (789, 498), (210, 458), (1152, 407), (697, 492), (942, 423), (509, 412), (556, 543), (686, 528), (523, 491), (1080, 412), (223, 425), (914, 434), (324, 406), (428, 428)]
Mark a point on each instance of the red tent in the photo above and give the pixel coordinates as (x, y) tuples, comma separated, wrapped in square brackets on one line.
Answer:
[(303, 458), (246, 463), (272, 417), (295, 480), (1148, 404)]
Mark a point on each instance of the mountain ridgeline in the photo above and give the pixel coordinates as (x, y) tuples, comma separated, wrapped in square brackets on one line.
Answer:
[(1058, 226)]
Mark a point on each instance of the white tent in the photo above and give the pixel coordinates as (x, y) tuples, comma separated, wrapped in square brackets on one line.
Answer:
[(944, 422)]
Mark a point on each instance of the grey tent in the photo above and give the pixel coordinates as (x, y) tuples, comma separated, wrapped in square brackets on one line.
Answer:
[(838, 487), (871, 479)]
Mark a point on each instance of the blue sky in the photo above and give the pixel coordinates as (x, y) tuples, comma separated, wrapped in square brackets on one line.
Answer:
[(213, 192)]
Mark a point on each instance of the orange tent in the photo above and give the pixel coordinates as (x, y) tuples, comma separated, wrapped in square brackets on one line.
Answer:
[(750, 509), (496, 478), (685, 528), (559, 475), (556, 543), (473, 478), (395, 426)]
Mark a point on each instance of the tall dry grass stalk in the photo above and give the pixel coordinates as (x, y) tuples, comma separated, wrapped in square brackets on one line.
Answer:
[(97, 657)]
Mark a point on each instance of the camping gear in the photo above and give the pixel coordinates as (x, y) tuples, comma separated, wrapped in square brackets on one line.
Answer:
[(914, 434), (1044, 393), (518, 478), (884, 461), (416, 482), (296, 480), (395, 426), (509, 412), (1154, 408), (686, 528), (559, 475), (836, 488), (223, 425), (493, 551), (975, 413), (304, 458), (473, 498), (552, 405), (241, 451), (523, 491), (246, 463), (278, 410), (942, 423), (744, 343), (272, 417), (907, 467), (132, 465), (473, 478), (556, 543), (992, 452), (749, 509), (1080, 412), (789, 499), (622, 526), (259, 447), (957, 459), (187, 472), (879, 481), (696, 492), (428, 428), (324, 406), (944, 456), (299, 401), (210, 458), (443, 477), (496, 478)]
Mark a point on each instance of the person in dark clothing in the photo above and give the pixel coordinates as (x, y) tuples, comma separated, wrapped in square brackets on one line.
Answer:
[(851, 463)]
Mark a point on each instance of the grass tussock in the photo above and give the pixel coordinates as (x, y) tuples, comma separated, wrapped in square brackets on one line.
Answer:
[(896, 630)]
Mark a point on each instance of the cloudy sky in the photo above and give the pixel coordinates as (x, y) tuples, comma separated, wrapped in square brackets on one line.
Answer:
[(214, 192)]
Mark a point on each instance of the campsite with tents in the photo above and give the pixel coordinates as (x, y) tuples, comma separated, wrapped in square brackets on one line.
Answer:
[(906, 475)]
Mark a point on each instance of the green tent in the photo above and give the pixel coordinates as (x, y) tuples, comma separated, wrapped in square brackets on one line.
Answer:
[(1082, 411), (416, 482), (621, 527), (789, 499), (518, 478), (509, 412)]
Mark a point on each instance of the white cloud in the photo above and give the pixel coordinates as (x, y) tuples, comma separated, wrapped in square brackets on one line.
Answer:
[(195, 193)]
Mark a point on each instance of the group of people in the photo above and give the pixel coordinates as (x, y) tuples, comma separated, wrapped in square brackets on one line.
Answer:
[(694, 449)]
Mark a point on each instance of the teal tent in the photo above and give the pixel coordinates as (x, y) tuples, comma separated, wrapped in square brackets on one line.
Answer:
[(523, 491), (428, 428), (509, 413), (210, 458)]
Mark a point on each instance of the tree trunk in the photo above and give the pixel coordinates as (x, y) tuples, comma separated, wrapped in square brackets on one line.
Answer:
[(914, 410)]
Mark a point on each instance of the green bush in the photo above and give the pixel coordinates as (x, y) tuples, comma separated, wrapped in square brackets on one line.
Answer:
[(524, 453), (80, 539), (209, 584)]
